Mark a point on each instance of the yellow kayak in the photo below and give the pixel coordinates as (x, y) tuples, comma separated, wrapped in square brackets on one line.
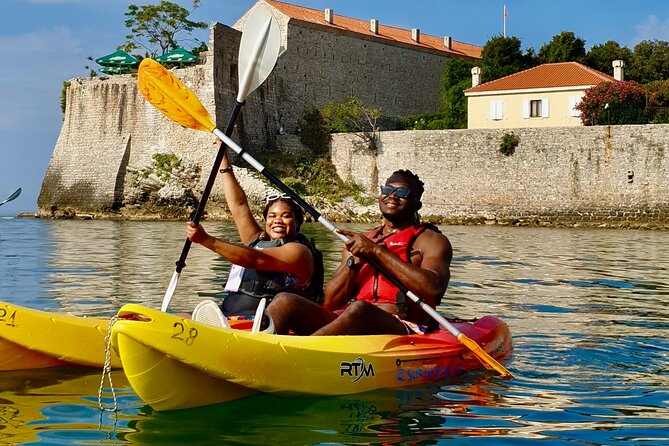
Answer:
[(34, 339), (174, 363)]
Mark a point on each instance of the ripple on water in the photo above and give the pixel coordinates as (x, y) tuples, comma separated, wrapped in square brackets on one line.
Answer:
[(589, 322)]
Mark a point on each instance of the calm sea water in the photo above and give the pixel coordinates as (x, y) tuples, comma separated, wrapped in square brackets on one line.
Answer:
[(589, 311)]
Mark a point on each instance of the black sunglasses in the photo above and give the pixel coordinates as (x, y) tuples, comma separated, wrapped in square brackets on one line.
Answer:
[(401, 192)]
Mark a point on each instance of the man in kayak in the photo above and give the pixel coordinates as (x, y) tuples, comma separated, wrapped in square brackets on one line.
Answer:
[(358, 300), (270, 260)]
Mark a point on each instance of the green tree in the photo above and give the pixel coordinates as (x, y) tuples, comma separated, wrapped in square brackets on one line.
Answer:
[(650, 61), (657, 94), (159, 28), (456, 77), (351, 115), (613, 103), (564, 47), (601, 57), (502, 56)]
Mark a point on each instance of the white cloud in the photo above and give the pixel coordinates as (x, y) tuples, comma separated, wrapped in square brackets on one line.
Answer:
[(652, 28)]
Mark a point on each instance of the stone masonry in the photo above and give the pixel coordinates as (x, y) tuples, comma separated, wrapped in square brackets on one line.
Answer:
[(576, 174), (108, 126)]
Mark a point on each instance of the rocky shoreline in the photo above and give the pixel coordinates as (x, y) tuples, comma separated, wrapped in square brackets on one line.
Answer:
[(345, 213), (154, 194)]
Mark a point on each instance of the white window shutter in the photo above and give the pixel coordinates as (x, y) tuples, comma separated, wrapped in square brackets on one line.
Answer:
[(526, 109), (500, 110), (573, 102), (544, 108), (496, 110)]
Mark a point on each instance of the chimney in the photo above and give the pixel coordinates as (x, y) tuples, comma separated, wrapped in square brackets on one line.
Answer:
[(448, 42), (415, 35), (329, 15), (476, 76), (618, 71), (374, 26)]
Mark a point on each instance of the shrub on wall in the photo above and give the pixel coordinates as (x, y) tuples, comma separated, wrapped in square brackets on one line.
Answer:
[(63, 96), (509, 143), (314, 176), (613, 103), (426, 121)]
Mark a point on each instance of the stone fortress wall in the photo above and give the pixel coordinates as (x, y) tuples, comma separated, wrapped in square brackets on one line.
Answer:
[(574, 174), (108, 125), (569, 173)]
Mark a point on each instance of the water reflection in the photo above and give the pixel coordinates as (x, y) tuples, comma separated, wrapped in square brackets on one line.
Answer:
[(587, 310), (47, 406)]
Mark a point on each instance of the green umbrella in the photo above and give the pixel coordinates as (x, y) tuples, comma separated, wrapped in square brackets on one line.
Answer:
[(117, 59), (179, 57)]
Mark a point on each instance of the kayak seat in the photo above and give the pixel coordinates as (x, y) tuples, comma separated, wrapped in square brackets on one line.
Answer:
[(262, 316), (208, 312)]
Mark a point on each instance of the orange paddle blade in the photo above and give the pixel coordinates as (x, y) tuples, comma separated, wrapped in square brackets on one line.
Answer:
[(169, 95), (488, 361)]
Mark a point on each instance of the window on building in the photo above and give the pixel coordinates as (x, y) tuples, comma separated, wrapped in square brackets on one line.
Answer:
[(535, 109)]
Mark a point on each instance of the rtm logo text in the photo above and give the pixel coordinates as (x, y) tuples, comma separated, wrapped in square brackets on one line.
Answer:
[(356, 369)]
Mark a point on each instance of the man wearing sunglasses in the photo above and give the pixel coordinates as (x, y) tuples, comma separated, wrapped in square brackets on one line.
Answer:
[(358, 299)]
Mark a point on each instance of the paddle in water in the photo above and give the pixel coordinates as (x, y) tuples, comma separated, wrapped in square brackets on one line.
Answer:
[(258, 52), (13, 196), (189, 112)]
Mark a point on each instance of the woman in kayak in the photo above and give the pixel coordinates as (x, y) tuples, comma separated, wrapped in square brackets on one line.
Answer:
[(268, 261), (359, 300)]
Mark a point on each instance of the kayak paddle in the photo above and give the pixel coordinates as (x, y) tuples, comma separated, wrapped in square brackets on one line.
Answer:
[(258, 52), (13, 196), (189, 112)]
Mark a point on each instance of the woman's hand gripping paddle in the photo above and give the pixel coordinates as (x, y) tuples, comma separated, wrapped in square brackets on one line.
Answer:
[(13, 196), (258, 52), (200, 120)]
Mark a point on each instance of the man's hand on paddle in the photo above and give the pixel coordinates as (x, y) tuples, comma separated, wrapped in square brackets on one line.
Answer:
[(364, 246)]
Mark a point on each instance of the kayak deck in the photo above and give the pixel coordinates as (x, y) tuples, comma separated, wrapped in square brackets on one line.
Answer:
[(34, 339)]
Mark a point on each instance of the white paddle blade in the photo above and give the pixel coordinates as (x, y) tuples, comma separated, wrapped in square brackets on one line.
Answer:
[(258, 50), (170, 291)]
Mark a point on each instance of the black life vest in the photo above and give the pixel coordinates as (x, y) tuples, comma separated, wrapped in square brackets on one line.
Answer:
[(266, 284)]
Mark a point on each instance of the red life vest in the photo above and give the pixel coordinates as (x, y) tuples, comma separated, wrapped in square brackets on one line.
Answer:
[(372, 286)]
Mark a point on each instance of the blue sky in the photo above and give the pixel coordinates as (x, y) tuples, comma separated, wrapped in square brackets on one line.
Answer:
[(46, 42)]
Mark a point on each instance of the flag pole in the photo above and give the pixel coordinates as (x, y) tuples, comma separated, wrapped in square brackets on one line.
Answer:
[(505, 17)]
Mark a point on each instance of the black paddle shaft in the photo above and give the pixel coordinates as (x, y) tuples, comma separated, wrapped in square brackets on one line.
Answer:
[(181, 263)]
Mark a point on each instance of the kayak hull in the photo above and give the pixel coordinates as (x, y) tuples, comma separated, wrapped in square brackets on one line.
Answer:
[(34, 339), (174, 363)]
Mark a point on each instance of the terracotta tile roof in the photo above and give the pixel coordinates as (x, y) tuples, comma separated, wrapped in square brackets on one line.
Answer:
[(550, 75), (388, 33)]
